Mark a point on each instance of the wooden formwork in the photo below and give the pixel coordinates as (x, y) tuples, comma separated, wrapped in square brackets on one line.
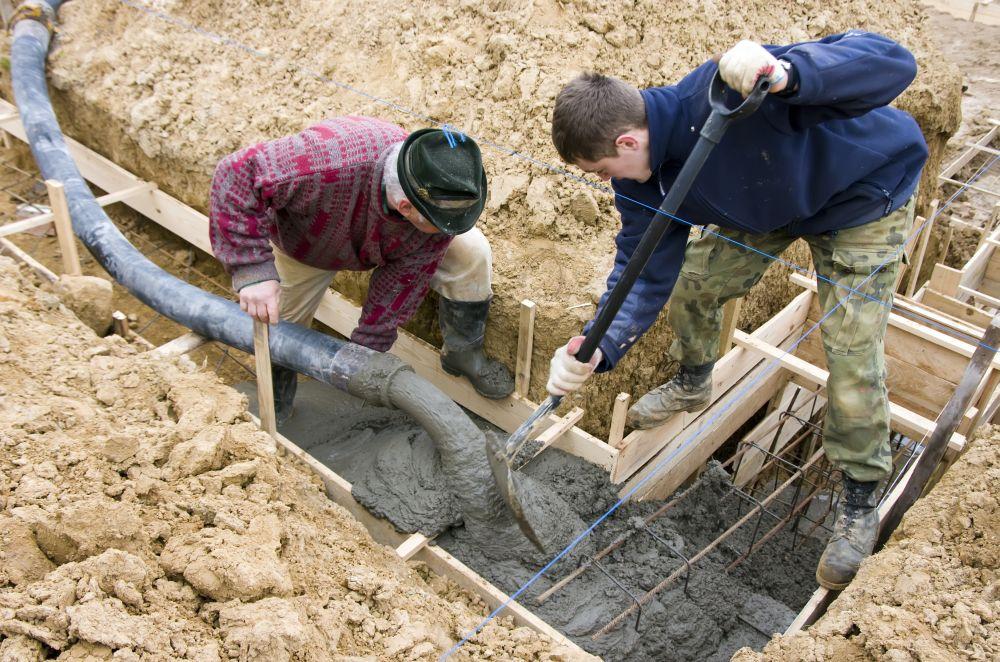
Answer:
[(924, 364)]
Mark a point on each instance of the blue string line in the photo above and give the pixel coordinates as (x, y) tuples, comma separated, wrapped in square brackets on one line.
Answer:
[(774, 363), (449, 130)]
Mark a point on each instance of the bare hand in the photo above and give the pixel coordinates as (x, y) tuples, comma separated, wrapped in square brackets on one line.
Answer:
[(260, 300)]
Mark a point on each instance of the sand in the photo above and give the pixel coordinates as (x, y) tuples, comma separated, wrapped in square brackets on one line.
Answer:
[(931, 594), (144, 517), (167, 103)]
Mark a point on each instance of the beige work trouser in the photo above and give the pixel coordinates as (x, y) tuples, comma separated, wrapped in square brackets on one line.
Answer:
[(465, 274)]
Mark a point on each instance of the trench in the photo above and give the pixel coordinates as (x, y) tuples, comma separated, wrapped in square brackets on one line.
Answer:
[(393, 466)]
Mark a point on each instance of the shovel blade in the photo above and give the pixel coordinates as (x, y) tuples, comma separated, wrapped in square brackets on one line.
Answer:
[(509, 485)]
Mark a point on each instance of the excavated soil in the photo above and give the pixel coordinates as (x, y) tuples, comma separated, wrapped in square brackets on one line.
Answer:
[(932, 593), (167, 101), (144, 517)]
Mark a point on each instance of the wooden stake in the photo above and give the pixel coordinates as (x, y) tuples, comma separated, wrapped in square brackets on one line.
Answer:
[(180, 345), (411, 546), (617, 432), (265, 391), (918, 257), (730, 315), (119, 322), (552, 433), (525, 344), (64, 228)]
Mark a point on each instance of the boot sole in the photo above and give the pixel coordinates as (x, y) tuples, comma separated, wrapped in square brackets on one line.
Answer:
[(650, 426), (488, 396), (830, 585)]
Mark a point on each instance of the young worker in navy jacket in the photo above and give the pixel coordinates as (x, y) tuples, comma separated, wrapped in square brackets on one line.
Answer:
[(824, 159)]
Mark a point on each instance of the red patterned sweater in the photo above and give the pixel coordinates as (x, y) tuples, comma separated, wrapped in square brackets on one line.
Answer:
[(318, 196)]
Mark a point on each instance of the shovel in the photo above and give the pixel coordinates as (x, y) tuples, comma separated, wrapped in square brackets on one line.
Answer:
[(502, 457)]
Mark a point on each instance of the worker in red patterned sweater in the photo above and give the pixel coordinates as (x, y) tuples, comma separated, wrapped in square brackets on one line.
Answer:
[(357, 193)]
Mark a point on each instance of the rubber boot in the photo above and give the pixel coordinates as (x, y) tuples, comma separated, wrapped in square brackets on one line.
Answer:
[(854, 533), (284, 381), (463, 326), (689, 390)]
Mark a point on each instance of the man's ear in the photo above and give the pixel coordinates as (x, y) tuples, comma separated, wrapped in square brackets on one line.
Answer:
[(627, 141)]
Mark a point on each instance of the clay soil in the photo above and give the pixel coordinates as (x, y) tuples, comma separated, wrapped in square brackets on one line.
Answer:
[(932, 593), (144, 517), (167, 101)]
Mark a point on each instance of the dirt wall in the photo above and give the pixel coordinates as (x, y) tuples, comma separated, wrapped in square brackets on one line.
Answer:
[(931, 594), (167, 102), (143, 516)]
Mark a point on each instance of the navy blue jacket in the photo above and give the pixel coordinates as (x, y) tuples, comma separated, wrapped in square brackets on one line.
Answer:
[(828, 156)]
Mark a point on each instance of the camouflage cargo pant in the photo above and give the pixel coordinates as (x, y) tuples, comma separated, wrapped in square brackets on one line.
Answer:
[(856, 430)]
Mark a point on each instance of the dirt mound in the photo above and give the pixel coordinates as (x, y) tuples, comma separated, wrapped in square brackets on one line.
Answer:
[(143, 516), (931, 594), (167, 101)]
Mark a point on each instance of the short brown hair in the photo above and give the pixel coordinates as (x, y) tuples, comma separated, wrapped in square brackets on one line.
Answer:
[(591, 112)]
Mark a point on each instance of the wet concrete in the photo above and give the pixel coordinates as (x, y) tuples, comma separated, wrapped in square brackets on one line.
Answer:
[(395, 471)]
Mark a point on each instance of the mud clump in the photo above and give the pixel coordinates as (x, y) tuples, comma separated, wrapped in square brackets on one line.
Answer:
[(931, 593), (144, 516), (168, 102)]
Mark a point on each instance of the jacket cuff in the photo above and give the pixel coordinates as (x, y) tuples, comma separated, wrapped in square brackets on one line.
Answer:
[(610, 355), (378, 342), (251, 274), (802, 79)]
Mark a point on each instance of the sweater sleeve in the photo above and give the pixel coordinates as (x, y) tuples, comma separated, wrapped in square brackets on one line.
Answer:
[(651, 290), (394, 294), (245, 193), (846, 75)]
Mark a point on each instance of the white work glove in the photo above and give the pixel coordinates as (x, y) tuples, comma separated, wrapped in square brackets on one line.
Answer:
[(566, 374), (744, 63), (260, 300)]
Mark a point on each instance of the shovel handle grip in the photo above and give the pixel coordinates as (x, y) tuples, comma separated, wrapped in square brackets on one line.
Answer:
[(711, 133)]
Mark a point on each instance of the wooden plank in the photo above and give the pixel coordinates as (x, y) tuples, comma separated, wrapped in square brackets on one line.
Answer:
[(411, 546), (694, 446), (730, 316), (967, 185), (64, 228), (902, 419), (180, 345), (641, 445), (982, 297), (525, 343), (968, 155), (616, 434), (335, 310), (447, 565), (265, 392), (47, 218), (10, 248), (918, 390), (944, 279), (957, 309), (926, 229), (913, 342), (552, 434)]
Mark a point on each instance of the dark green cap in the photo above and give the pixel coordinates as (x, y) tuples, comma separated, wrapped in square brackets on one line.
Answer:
[(442, 175)]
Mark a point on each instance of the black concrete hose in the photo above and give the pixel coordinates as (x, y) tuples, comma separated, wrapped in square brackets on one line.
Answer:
[(358, 370)]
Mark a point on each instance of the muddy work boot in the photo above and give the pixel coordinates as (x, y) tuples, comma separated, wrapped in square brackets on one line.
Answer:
[(284, 381), (463, 325), (854, 533), (689, 390)]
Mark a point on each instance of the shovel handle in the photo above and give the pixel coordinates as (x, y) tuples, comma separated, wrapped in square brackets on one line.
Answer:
[(711, 133)]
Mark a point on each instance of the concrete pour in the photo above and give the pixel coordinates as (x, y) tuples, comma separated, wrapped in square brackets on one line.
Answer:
[(396, 473)]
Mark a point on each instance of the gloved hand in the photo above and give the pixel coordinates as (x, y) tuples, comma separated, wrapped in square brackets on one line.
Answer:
[(744, 63), (566, 374), (260, 300)]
